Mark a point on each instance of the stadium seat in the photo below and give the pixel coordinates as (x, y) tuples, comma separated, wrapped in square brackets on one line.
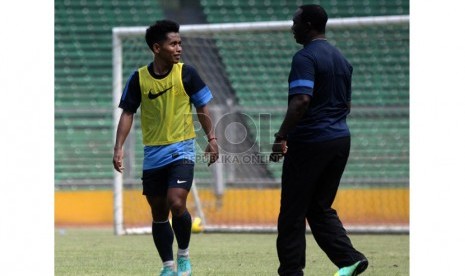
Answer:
[(83, 82), (83, 77)]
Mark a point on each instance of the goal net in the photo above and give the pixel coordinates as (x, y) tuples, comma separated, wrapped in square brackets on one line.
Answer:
[(246, 66)]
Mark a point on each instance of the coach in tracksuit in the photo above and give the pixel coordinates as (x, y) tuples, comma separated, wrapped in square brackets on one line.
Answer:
[(315, 142)]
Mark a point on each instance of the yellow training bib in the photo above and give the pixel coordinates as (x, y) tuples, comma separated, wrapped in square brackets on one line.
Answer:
[(166, 110)]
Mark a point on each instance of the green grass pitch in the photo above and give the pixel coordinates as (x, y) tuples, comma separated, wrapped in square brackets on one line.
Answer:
[(99, 252)]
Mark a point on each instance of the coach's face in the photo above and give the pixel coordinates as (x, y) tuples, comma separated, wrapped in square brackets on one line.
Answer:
[(299, 28), (170, 49)]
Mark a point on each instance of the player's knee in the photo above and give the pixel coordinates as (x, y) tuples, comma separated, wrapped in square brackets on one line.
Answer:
[(160, 214), (177, 206)]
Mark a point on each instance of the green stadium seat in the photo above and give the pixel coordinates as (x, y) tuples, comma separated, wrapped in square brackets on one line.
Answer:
[(83, 78), (83, 81)]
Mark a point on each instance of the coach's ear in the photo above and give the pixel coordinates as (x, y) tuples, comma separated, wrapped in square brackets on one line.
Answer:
[(308, 25)]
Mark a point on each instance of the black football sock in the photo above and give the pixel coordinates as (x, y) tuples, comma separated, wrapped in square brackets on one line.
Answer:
[(182, 229), (163, 237)]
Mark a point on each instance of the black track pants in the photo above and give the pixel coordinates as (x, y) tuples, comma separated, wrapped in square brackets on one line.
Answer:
[(310, 179)]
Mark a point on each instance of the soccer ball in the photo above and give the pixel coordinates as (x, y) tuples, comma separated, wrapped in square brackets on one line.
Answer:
[(197, 226)]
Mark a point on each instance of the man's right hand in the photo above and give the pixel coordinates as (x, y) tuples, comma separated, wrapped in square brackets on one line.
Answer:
[(118, 159), (279, 149)]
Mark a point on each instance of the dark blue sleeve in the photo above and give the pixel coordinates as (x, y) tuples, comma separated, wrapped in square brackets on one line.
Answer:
[(130, 100), (302, 75), (349, 86), (197, 90)]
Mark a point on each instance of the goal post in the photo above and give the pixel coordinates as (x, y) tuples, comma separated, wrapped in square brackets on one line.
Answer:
[(246, 67)]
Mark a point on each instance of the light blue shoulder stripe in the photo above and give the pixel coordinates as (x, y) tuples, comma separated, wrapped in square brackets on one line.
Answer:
[(202, 97), (301, 83)]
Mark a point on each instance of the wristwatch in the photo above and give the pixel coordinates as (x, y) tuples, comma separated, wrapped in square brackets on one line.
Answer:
[(279, 137)]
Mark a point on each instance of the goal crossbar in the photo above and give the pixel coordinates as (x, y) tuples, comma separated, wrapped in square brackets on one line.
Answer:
[(267, 25)]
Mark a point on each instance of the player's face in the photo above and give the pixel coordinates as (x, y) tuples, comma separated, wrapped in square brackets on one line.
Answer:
[(170, 49), (299, 29)]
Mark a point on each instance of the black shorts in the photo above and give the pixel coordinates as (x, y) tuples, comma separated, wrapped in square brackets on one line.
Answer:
[(178, 174)]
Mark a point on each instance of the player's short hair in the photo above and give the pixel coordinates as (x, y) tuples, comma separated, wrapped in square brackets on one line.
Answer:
[(157, 32), (315, 15)]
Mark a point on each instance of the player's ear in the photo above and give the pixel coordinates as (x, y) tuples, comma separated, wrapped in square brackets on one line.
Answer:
[(156, 48)]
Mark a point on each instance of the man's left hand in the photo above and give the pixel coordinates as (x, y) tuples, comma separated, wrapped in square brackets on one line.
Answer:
[(212, 151)]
